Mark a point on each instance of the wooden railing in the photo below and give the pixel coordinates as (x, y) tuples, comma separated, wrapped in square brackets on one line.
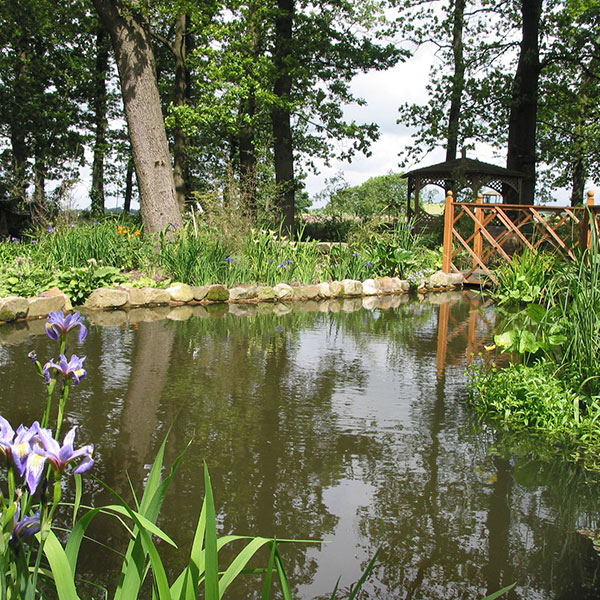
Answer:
[(478, 236)]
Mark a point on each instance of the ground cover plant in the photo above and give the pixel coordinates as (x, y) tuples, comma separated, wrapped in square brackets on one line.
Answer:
[(551, 312), (78, 257)]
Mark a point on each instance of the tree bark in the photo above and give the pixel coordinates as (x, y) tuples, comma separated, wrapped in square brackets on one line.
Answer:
[(522, 123), (100, 104), (137, 72), (128, 186), (283, 149), (458, 79), (181, 97)]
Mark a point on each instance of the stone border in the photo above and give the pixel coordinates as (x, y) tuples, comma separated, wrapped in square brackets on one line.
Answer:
[(15, 308)]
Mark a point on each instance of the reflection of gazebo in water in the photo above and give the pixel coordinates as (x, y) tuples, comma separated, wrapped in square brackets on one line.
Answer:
[(458, 174)]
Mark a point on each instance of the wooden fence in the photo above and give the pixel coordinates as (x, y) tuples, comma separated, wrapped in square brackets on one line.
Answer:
[(479, 236)]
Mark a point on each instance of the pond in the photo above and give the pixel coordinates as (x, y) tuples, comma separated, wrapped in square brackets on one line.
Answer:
[(333, 421)]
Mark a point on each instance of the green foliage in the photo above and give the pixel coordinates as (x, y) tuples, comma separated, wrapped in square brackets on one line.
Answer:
[(383, 195), (115, 243), (79, 282), (525, 278), (23, 277), (396, 249), (537, 398)]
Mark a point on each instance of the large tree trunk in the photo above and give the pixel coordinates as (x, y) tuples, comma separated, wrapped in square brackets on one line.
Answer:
[(137, 72), (181, 97), (283, 149), (522, 123), (100, 121), (458, 79)]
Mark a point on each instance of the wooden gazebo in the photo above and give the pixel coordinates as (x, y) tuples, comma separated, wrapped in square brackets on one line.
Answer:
[(458, 174)]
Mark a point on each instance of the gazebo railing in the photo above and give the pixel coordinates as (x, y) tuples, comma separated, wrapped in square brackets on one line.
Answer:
[(478, 236)]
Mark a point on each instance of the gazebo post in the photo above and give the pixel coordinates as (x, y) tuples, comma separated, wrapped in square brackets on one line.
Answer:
[(448, 225)]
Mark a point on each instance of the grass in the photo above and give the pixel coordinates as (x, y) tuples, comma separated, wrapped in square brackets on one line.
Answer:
[(227, 249)]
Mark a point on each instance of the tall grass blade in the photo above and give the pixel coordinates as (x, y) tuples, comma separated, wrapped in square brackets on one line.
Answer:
[(211, 581)]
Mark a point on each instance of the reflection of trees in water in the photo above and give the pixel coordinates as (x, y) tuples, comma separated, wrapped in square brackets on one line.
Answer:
[(454, 523), (267, 402), (265, 426)]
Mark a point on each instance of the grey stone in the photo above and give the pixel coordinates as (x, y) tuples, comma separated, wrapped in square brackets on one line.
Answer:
[(266, 292), (283, 291), (336, 289), (370, 287), (52, 292), (147, 296), (324, 289), (243, 292), (352, 287), (388, 285), (200, 292), (13, 307), (439, 279), (180, 293), (106, 298), (41, 307)]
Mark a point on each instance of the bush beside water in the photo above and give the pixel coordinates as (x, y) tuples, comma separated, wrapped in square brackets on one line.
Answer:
[(551, 312)]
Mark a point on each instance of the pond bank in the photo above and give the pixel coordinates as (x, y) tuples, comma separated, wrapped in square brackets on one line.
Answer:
[(124, 297)]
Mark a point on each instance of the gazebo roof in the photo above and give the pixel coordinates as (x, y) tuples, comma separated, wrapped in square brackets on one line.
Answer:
[(463, 168), (462, 172)]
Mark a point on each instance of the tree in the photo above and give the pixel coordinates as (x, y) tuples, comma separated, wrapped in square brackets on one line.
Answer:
[(41, 81), (134, 55), (522, 122), (380, 195)]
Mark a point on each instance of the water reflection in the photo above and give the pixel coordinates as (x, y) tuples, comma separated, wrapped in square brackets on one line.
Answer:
[(324, 421)]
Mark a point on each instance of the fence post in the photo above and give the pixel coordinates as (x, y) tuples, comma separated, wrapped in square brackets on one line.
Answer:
[(590, 202), (478, 237), (448, 236)]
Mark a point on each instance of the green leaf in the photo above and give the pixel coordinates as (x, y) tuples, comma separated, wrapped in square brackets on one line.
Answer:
[(536, 312), (64, 578), (500, 592)]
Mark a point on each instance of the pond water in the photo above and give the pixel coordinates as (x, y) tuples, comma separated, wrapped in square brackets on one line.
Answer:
[(329, 422)]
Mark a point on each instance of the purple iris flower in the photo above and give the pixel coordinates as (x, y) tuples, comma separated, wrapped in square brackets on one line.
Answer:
[(50, 229), (18, 446), (96, 223), (229, 259), (71, 368), (58, 325), (27, 526), (356, 255), (14, 239), (368, 264), (7, 435), (58, 456), (289, 261)]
